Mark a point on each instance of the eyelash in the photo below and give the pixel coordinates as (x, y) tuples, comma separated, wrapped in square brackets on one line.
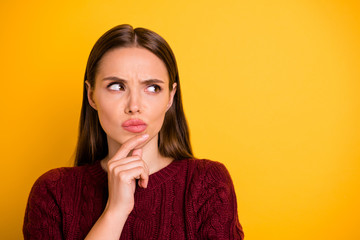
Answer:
[(122, 87), (115, 83), (157, 88)]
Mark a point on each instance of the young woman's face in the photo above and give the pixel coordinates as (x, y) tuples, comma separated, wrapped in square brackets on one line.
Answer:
[(131, 93)]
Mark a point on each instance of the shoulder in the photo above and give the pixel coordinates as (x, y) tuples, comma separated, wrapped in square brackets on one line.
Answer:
[(55, 175), (54, 198), (207, 177), (57, 186), (200, 168), (46, 193), (212, 201), (58, 180)]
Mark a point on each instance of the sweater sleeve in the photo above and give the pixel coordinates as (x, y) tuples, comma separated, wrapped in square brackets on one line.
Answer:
[(42, 216), (216, 206)]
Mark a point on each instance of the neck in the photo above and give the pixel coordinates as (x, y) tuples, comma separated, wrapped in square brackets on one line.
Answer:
[(150, 155)]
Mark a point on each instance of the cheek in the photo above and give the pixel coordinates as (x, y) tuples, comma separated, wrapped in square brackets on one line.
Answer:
[(156, 112), (108, 112)]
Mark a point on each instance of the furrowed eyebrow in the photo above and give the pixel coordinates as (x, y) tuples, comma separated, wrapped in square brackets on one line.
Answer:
[(147, 81), (114, 79), (152, 81)]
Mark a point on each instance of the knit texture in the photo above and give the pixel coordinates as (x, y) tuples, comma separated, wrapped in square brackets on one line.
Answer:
[(188, 199)]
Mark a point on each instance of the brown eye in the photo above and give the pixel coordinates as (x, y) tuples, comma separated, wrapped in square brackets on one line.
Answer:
[(154, 88), (116, 87)]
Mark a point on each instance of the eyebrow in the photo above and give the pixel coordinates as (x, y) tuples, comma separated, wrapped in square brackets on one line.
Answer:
[(147, 81)]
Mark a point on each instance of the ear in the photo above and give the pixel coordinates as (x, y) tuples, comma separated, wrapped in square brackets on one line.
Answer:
[(172, 94), (90, 92)]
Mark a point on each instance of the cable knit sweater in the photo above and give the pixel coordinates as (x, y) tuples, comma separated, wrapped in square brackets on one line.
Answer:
[(188, 199)]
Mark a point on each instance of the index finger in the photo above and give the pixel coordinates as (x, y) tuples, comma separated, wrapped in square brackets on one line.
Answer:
[(129, 145)]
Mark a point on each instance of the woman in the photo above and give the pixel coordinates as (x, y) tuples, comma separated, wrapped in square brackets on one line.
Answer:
[(135, 175)]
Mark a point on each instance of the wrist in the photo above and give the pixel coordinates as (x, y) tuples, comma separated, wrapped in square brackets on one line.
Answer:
[(116, 212), (109, 225), (114, 219)]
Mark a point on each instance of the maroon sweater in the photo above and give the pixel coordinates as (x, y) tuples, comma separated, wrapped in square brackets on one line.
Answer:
[(188, 199)]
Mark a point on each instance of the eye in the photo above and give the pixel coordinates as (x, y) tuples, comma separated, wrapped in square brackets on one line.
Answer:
[(116, 86), (153, 88)]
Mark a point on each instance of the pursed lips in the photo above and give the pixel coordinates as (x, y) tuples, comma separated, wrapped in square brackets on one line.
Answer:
[(134, 125)]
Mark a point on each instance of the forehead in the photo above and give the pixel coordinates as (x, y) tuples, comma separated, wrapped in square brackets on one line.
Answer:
[(132, 63)]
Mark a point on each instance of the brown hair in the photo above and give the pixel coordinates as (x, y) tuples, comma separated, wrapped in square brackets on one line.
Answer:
[(174, 139)]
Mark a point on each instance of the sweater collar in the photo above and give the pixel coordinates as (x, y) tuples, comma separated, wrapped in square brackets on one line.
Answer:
[(161, 176)]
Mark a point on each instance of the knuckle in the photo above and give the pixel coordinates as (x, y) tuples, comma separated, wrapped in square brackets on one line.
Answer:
[(116, 171), (138, 162), (126, 147), (123, 176), (135, 158), (110, 166), (140, 169)]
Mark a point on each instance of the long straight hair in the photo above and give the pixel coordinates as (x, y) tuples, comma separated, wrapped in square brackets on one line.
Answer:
[(173, 140)]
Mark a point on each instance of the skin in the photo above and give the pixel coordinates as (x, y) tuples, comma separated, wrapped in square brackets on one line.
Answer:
[(131, 83)]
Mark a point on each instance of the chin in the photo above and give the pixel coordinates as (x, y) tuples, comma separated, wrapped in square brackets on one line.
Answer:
[(128, 135)]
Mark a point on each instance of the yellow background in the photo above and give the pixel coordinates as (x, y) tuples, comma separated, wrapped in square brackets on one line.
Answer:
[(271, 89)]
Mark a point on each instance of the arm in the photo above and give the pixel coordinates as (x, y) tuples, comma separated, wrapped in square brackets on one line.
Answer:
[(108, 226), (217, 206), (123, 170), (42, 216)]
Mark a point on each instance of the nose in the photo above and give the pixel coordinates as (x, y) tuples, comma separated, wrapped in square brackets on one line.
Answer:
[(133, 104)]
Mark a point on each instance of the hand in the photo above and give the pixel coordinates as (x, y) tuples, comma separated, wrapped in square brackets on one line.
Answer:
[(123, 170)]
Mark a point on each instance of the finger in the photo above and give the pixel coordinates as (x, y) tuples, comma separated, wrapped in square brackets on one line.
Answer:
[(137, 152), (131, 174), (116, 162), (117, 168), (144, 179), (143, 182), (129, 145)]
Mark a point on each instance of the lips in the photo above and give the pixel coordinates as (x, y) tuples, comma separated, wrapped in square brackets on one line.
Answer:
[(134, 125)]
